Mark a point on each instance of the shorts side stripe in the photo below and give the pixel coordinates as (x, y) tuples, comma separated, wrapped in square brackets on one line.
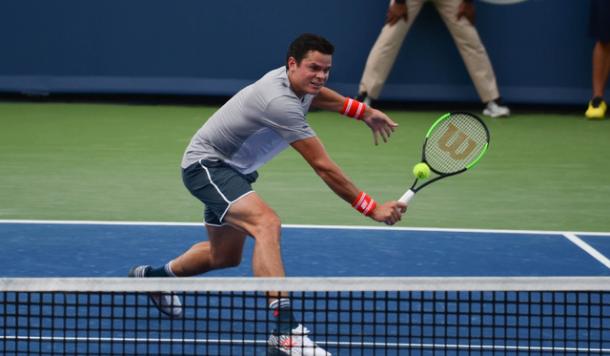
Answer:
[(231, 203), (214, 184), (216, 225)]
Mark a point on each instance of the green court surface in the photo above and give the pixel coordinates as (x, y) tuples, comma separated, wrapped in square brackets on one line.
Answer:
[(121, 162)]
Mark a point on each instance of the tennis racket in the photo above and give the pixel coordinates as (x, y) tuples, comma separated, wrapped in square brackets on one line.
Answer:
[(455, 143)]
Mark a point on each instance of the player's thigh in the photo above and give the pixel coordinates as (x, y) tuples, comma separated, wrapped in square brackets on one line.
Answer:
[(252, 214)]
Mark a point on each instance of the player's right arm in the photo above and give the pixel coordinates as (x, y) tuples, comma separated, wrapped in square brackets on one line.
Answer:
[(315, 154)]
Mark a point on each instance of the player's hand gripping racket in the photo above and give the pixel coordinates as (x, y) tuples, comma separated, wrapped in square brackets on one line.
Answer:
[(454, 144)]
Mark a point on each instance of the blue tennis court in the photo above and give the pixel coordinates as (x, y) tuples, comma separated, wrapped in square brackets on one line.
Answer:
[(109, 249), (429, 322)]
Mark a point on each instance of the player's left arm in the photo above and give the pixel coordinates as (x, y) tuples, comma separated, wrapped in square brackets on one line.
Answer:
[(314, 153), (381, 125)]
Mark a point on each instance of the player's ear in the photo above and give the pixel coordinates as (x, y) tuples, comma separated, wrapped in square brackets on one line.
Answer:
[(292, 63)]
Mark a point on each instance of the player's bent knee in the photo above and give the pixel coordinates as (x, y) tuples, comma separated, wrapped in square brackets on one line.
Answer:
[(226, 261), (268, 221), (267, 229), (231, 263)]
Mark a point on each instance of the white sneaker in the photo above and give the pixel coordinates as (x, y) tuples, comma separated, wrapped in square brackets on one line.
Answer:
[(167, 303), (295, 343), (494, 110)]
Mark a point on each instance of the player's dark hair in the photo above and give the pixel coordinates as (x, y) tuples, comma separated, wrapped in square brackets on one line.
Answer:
[(308, 42)]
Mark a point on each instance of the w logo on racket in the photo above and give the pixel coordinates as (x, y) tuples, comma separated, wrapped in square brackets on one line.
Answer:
[(453, 141), (454, 144)]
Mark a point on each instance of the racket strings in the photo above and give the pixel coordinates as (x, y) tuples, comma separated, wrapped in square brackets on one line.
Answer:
[(455, 143)]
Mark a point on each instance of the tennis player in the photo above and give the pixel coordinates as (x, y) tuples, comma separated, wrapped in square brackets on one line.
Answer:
[(220, 163)]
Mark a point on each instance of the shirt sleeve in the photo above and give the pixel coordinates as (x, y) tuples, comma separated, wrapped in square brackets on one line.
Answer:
[(286, 116)]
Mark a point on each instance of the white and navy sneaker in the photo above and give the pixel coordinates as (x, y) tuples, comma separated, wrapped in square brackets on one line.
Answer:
[(167, 303), (295, 343), (494, 109)]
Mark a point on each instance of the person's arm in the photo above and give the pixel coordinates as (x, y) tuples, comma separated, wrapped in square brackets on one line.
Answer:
[(377, 121), (315, 154)]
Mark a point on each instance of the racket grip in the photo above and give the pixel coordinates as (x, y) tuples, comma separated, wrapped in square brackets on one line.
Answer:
[(406, 198)]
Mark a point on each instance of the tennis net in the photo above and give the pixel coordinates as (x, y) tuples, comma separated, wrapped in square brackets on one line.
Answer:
[(346, 316)]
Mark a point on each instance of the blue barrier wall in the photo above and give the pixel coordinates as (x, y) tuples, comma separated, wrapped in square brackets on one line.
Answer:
[(540, 48)]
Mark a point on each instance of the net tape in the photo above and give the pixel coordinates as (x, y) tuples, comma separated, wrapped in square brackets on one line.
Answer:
[(354, 316)]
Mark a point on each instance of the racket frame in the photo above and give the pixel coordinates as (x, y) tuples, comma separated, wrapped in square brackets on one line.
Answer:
[(409, 194)]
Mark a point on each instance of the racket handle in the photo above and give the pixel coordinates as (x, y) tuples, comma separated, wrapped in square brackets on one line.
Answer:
[(406, 198)]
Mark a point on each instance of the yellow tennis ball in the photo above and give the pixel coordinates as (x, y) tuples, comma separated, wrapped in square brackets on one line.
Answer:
[(421, 170)]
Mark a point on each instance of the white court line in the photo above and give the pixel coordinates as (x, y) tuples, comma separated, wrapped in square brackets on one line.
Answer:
[(299, 226), (588, 249), (364, 345)]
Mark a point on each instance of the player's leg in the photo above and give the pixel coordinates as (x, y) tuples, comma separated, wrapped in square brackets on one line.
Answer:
[(474, 55), (223, 249), (217, 186), (250, 213), (230, 200), (383, 53)]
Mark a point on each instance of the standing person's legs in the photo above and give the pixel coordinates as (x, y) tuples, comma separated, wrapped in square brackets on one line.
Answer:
[(601, 67), (471, 49), (599, 30), (384, 52)]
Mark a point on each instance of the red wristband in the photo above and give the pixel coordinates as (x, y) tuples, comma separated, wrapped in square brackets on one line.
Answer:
[(353, 108), (364, 203)]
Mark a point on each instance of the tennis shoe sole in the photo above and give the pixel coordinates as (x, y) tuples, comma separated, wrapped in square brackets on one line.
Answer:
[(167, 303)]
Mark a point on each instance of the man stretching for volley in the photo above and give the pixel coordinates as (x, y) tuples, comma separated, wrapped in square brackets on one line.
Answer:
[(220, 165)]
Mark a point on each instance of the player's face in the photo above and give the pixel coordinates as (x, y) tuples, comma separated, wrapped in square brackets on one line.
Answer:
[(311, 74)]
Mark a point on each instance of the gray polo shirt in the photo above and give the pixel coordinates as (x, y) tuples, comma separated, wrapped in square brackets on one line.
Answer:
[(254, 126)]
